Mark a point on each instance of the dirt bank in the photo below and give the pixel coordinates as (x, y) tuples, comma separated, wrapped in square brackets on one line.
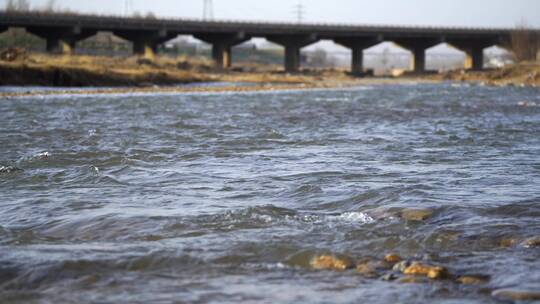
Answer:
[(522, 74), (23, 69)]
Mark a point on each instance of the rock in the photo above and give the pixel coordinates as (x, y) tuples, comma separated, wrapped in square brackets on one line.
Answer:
[(432, 272), (532, 242), (516, 295), (401, 266), (392, 258), (367, 269), (389, 277), (508, 242), (331, 262), (473, 279), (9, 169), (416, 214)]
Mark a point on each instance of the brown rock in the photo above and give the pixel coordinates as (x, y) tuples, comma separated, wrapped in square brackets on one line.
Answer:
[(331, 262), (473, 279), (532, 242), (392, 258), (367, 269), (416, 214), (508, 242), (516, 295), (432, 272)]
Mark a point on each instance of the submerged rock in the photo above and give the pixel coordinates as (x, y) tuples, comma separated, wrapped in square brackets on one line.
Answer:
[(516, 295), (367, 269), (473, 279), (331, 262), (508, 242), (412, 280), (432, 272), (416, 214), (9, 169)]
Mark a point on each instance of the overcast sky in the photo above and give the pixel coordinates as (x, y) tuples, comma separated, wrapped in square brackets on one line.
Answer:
[(484, 13)]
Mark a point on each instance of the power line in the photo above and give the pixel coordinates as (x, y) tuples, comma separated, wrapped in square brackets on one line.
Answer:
[(128, 7), (299, 11), (208, 10)]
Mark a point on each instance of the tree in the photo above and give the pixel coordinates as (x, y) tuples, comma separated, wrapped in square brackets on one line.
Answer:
[(50, 6), (525, 43), (17, 6)]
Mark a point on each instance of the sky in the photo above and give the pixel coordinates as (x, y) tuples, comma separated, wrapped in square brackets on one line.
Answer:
[(473, 13)]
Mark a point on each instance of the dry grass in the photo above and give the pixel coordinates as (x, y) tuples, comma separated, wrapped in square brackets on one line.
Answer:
[(525, 73)]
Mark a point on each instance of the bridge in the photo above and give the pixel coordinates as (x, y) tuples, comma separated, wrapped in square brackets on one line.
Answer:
[(63, 31)]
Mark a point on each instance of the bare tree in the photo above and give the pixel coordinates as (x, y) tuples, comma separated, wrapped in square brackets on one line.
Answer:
[(525, 43), (50, 6), (17, 6)]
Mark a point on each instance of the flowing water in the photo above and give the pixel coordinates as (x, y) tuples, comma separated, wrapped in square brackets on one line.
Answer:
[(225, 198)]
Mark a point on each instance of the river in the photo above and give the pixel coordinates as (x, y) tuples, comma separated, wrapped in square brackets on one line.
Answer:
[(226, 197)]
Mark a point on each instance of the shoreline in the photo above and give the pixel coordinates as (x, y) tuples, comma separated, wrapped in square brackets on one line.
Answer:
[(92, 75)]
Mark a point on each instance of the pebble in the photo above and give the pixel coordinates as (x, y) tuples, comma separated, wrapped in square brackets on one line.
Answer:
[(516, 295), (331, 262), (473, 279), (432, 272), (416, 214)]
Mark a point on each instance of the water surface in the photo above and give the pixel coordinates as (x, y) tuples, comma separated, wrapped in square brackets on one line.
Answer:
[(202, 198)]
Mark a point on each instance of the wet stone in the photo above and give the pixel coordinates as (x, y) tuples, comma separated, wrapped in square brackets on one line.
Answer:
[(432, 272), (401, 266), (532, 242), (416, 214), (331, 262), (389, 277), (516, 295), (367, 269), (473, 279), (9, 169), (392, 258)]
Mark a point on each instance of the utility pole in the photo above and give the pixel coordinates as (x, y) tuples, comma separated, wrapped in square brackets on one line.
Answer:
[(208, 10), (128, 7), (299, 11)]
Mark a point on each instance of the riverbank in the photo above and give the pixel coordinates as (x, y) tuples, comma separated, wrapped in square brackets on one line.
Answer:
[(521, 74), (166, 74)]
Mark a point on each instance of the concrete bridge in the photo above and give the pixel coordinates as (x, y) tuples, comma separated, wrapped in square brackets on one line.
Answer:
[(63, 31)]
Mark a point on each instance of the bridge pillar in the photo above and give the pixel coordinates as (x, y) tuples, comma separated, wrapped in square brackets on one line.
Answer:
[(292, 44), (145, 43), (474, 51), (61, 40), (418, 47), (357, 46), (222, 45)]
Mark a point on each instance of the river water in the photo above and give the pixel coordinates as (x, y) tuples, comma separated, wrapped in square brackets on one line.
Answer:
[(225, 198)]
